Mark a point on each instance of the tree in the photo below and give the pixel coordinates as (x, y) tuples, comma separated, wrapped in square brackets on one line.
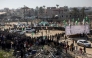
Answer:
[(83, 12), (44, 6), (57, 5), (75, 13), (58, 11), (41, 10), (36, 11)]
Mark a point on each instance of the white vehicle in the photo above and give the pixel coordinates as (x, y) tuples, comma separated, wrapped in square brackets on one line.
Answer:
[(28, 30), (17, 31), (20, 32), (83, 43)]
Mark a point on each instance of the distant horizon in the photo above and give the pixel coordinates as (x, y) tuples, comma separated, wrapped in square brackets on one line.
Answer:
[(15, 4), (45, 7)]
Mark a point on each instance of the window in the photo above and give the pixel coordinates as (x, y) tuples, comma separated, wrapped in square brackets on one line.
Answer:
[(81, 41), (70, 15), (65, 10), (62, 15), (85, 42), (66, 15)]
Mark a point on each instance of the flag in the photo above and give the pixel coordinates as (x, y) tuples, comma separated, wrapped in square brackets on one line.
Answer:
[(86, 18), (66, 24), (69, 22), (83, 21), (73, 20), (32, 34), (63, 21), (22, 29), (78, 19), (76, 22)]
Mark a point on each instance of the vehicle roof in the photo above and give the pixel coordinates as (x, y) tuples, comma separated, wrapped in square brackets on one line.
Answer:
[(28, 28), (81, 40)]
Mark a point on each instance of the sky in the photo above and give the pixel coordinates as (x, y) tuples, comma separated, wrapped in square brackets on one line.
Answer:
[(48, 3)]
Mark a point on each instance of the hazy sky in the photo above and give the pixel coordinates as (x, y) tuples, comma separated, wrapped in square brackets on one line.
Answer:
[(48, 3)]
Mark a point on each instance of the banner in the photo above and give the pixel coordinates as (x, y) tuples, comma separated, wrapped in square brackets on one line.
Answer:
[(77, 29), (87, 29), (67, 30)]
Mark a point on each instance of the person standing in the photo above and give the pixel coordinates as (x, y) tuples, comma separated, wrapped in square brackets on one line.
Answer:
[(84, 49), (22, 53), (66, 49), (76, 48), (81, 50), (71, 47)]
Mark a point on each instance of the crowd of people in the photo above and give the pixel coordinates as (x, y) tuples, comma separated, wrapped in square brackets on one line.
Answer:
[(23, 43)]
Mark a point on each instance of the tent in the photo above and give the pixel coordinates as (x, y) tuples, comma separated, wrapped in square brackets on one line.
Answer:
[(43, 23)]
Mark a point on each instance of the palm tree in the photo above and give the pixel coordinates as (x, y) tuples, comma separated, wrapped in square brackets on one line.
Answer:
[(57, 5), (36, 11), (83, 12), (44, 9), (44, 6), (41, 10), (75, 13), (58, 11)]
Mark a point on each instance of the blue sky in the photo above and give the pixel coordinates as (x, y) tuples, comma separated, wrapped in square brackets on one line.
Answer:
[(48, 3)]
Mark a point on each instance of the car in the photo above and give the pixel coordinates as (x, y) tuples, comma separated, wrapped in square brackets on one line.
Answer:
[(20, 32), (83, 43), (29, 30), (12, 31), (17, 31)]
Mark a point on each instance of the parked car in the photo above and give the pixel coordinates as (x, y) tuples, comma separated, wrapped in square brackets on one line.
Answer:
[(28, 30), (12, 31), (20, 32), (17, 31), (83, 43)]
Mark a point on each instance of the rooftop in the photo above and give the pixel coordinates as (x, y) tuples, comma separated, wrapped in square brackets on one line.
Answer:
[(2, 13)]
